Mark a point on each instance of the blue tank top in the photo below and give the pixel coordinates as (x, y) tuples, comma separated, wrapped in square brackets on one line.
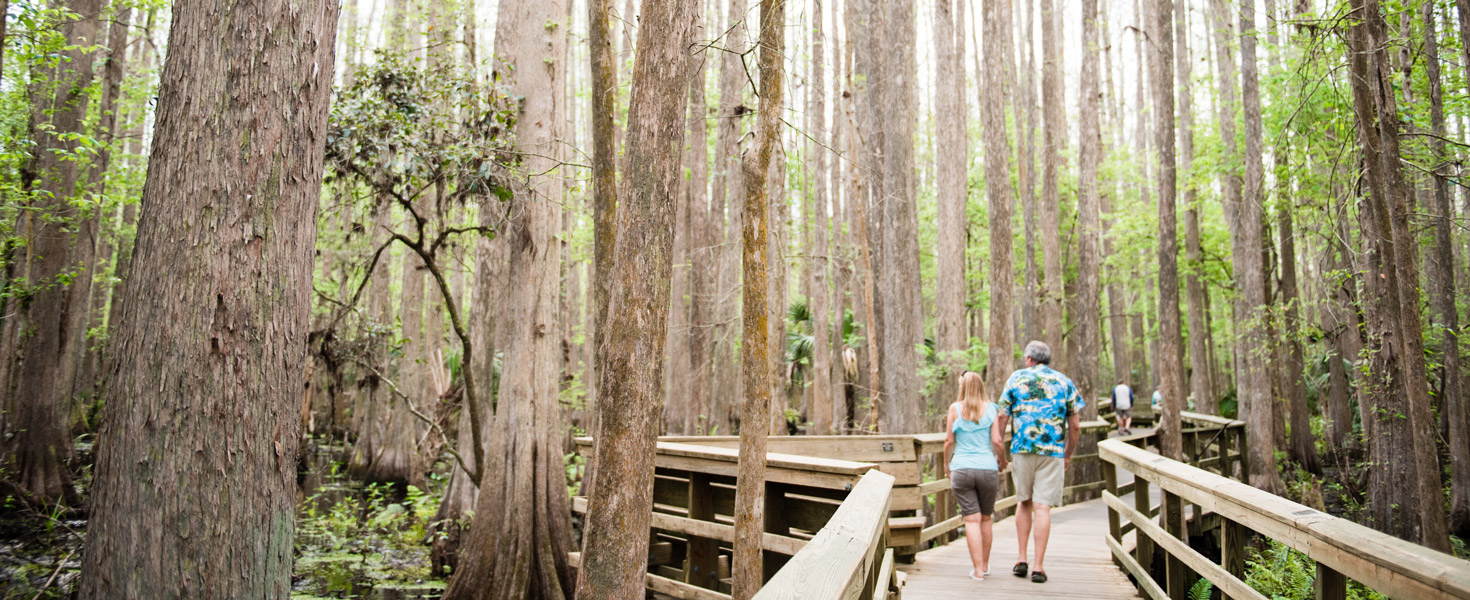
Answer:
[(972, 442)]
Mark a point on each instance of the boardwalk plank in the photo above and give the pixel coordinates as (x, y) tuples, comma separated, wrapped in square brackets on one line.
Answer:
[(1078, 564)]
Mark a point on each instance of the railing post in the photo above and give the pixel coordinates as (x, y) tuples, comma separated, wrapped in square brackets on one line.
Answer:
[(1242, 444), (1144, 550), (1232, 547), (1330, 585), (1110, 482), (701, 563), (1173, 522)]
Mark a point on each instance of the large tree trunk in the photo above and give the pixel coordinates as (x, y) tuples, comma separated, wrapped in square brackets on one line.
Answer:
[(998, 188), (1086, 310), (604, 180), (1054, 134), (517, 547), (1025, 101), (223, 265), (1200, 372), (902, 302), (724, 363), (1452, 397), (1171, 343), (746, 565), (706, 235), (615, 549), (818, 253), (1250, 279), (1404, 489), (46, 343)]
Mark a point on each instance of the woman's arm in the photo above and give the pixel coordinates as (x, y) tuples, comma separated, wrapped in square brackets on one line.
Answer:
[(948, 441), (997, 441)]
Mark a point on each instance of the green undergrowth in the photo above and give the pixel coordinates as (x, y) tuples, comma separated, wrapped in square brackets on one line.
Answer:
[(1280, 573), (365, 542)]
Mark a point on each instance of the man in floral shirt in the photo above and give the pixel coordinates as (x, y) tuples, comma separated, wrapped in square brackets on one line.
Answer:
[(1038, 400)]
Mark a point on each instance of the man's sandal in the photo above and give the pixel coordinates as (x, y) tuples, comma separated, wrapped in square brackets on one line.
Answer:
[(1019, 570), (1038, 577)]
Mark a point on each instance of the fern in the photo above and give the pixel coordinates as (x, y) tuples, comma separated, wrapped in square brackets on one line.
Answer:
[(1201, 590)]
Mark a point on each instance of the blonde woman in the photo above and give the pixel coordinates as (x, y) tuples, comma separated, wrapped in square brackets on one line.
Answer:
[(974, 466)]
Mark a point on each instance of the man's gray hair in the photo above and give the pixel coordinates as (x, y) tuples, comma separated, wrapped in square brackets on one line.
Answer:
[(1038, 351)]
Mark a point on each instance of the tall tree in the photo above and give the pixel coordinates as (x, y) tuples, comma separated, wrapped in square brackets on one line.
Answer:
[(1025, 100), (604, 172), (998, 188), (1171, 343), (727, 187), (1087, 310), (746, 565), (1054, 136), (518, 545), (1452, 395), (46, 345), (902, 316), (1404, 488), (819, 253), (223, 257), (615, 548), (1200, 372), (1250, 279)]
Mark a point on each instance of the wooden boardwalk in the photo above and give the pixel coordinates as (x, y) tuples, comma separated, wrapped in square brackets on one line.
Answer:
[(1078, 564)]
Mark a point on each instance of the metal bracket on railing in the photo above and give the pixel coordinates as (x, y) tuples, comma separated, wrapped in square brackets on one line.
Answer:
[(1207, 445)]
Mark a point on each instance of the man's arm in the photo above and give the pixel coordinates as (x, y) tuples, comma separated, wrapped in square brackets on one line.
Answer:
[(1074, 431)]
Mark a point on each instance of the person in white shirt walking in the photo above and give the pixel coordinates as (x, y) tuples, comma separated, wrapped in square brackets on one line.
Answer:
[(1123, 406)]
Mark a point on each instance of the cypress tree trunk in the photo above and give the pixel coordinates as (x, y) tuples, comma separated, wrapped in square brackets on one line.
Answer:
[(746, 565), (998, 189), (902, 301), (1025, 102), (1086, 310), (223, 263), (604, 179), (1200, 372), (1404, 488), (615, 550), (1171, 343), (819, 254), (46, 342), (1453, 395), (728, 186), (1054, 132), (517, 547)]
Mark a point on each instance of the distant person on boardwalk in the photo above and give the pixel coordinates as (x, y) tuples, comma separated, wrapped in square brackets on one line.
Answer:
[(1123, 407), (973, 443), (1039, 400)]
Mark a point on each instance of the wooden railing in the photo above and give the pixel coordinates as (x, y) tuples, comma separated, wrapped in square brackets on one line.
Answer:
[(849, 557), (1342, 550), (693, 524)]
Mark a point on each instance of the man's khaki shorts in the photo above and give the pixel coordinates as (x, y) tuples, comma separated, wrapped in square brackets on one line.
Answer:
[(1038, 478)]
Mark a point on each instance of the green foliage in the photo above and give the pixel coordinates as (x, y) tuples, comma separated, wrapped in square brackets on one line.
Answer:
[(1281, 573), (1201, 590)]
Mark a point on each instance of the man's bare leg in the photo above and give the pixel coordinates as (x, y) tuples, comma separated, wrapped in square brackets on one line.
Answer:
[(1042, 531), (1023, 527)]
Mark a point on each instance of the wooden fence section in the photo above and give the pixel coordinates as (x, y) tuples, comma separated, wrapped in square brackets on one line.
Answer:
[(694, 498), (1343, 550), (849, 557)]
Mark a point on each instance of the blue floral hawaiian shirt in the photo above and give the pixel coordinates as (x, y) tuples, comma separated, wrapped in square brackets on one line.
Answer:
[(1039, 400)]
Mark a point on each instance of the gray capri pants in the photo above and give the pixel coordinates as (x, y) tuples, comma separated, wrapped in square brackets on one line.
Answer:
[(975, 490)]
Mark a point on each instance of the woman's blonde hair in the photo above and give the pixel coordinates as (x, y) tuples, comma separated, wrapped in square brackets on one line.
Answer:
[(972, 398)]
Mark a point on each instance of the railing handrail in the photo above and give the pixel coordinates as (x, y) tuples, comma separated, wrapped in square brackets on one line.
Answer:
[(1395, 567), (838, 561)]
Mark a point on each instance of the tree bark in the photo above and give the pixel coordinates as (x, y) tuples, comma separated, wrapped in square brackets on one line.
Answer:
[(615, 550), (728, 186), (200, 435), (746, 564), (517, 547), (1054, 133), (1200, 372), (998, 192), (1171, 343), (902, 302), (1025, 100), (46, 345), (1452, 396), (819, 253), (1404, 487), (1256, 389), (1086, 311), (604, 95)]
